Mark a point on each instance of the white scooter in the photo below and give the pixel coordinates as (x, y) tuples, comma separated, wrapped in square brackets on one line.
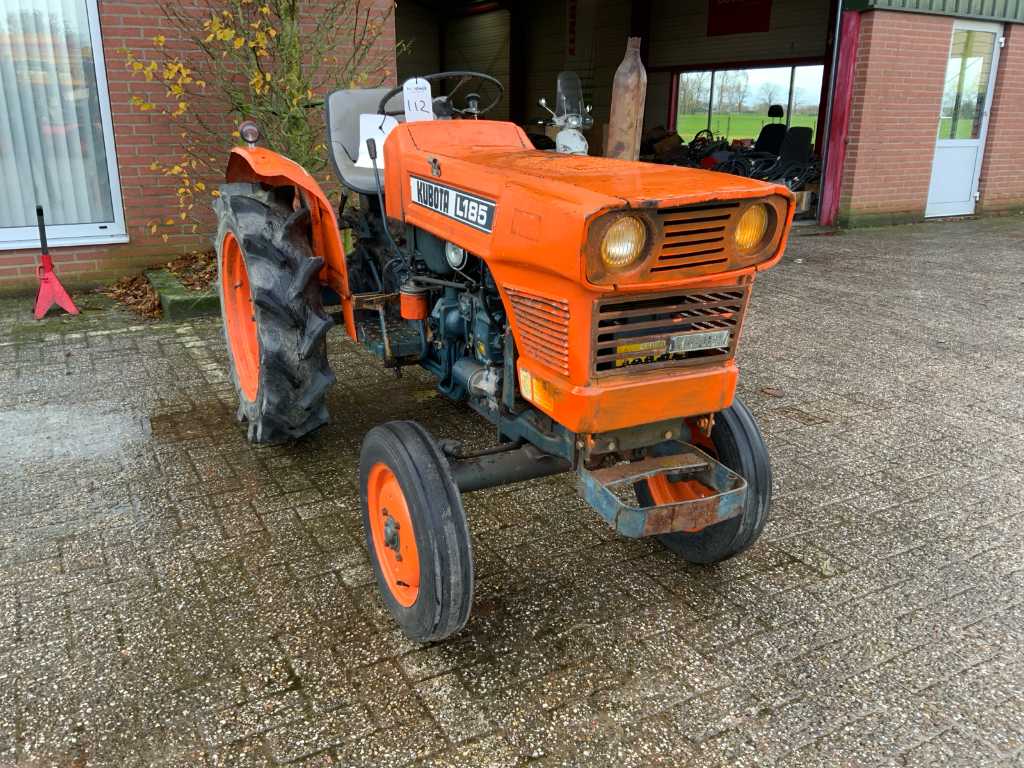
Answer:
[(570, 115)]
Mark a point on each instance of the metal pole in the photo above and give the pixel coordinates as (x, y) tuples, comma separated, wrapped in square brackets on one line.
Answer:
[(827, 127), (711, 97), (792, 96)]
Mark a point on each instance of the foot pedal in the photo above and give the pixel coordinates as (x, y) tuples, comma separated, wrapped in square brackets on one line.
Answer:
[(610, 492)]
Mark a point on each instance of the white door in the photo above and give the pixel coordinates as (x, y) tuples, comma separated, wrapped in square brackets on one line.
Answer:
[(963, 120)]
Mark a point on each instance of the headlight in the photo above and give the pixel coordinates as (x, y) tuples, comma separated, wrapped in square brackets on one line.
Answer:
[(618, 245), (623, 243), (752, 227), (757, 232)]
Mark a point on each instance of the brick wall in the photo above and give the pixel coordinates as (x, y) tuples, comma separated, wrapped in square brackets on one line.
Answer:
[(897, 92), (140, 138), (1002, 183)]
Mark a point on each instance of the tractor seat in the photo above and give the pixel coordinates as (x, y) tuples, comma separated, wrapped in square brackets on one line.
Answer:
[(769, 141), (343, 109)]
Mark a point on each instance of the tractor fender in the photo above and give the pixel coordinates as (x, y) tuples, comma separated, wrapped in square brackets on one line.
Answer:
[(262, 166)]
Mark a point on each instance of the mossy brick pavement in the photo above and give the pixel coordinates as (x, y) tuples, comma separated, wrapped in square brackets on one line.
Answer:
[(170, 595)]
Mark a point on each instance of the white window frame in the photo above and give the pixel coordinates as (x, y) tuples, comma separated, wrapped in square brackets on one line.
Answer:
[(98, 233)]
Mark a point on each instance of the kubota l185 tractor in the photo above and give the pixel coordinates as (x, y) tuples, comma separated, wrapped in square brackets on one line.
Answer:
[(588, 308)]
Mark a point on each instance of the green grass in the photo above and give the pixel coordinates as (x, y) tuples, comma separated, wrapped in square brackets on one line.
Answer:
[(734, 125), (964, 128)]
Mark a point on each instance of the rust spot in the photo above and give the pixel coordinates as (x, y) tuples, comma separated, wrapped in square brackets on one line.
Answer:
[(692, 516)]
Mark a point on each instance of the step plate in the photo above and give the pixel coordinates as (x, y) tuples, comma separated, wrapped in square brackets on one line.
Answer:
[(609, 491)]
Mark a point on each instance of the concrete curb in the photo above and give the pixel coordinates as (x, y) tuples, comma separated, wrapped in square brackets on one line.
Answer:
[(179, 302)]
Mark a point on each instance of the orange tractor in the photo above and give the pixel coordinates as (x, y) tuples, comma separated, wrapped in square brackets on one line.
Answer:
[(588, 308)]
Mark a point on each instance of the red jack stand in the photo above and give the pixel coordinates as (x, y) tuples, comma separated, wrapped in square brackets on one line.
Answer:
[(50, 289)]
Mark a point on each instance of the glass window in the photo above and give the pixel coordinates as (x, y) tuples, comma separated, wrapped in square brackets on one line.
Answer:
[(966, 88), (806, 96), (55, 136), (734, 103), (742, 98), (693, 103)]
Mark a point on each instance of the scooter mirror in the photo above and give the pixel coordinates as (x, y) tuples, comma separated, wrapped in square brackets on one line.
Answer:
[(542, 102)]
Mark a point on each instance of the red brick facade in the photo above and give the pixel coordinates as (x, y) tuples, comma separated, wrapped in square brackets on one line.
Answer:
[(897, 92), (140, 139), (1002, 183)]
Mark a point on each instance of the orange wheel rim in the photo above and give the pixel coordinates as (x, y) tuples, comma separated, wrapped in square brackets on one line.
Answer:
[(391, 529), (239, 317), (664, 491)]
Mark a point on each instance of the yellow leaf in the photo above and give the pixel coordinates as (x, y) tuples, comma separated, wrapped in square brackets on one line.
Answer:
[(169, 222), (239, 42), (159, 40), (165, 238), (200, 186)]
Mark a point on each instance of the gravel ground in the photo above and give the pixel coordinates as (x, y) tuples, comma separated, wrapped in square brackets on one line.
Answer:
[(170, 595)]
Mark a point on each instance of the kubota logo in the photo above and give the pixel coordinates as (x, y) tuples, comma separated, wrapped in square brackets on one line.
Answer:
[(477, 212)]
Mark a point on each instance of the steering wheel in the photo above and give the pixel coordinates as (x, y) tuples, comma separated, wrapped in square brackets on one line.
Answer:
[(472, 108), (703, 138)]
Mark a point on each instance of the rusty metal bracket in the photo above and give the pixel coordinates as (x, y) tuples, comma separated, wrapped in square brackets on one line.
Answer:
[(610, 492)]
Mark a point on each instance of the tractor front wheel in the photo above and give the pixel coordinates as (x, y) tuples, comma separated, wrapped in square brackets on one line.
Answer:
[(736, 442), (416, 531), (274, 320)]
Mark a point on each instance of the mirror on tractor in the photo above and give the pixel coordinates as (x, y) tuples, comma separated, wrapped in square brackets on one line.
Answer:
[(250, 132)]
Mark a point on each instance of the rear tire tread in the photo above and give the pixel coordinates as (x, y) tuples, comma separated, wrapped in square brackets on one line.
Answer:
[(291, 323)]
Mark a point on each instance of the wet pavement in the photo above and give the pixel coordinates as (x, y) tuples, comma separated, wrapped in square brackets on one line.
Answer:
[(170, 595)]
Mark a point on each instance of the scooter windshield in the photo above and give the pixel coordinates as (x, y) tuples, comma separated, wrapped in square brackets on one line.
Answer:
[(569, 97)]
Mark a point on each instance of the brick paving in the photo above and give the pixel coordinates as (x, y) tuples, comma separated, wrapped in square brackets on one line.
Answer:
[(170, 595)]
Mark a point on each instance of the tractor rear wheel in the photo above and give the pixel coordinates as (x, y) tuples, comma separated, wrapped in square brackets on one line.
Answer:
[(274, 320), (737, 443), (416, 531)]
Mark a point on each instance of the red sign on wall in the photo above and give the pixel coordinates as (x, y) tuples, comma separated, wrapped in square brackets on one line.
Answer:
[(737, 17)]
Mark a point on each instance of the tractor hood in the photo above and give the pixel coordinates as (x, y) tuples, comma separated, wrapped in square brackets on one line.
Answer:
[(482, 185)]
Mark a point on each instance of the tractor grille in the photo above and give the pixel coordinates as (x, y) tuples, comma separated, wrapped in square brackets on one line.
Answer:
[(543, 328), (662, 330), (695, 240)]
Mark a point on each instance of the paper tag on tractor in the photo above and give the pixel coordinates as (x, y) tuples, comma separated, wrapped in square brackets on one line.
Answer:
[(419, 102), (376, 127)]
